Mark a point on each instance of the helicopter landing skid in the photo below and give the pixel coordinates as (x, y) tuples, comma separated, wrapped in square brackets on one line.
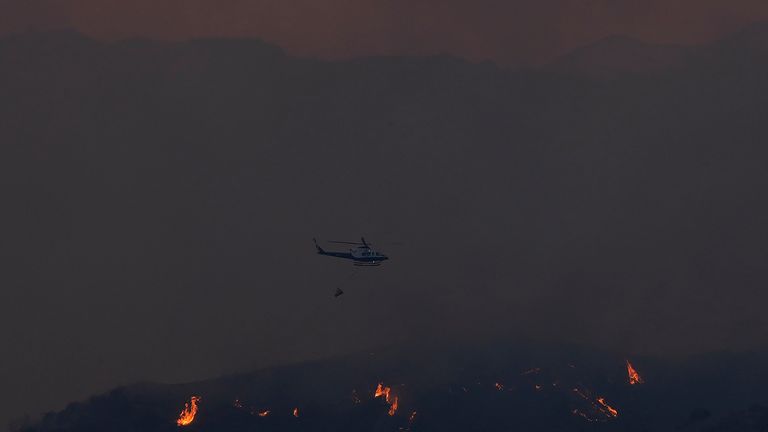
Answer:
[(367, 264)]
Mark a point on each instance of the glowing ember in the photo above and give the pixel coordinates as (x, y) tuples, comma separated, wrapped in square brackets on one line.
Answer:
[(584, 416), (611, 412), (580, 393), (412, 417), (499, 387), (355, 397), (187, 415), (237, 404), (264, 413), (579, 413), (634, 377), (393, 407), (295, 412)]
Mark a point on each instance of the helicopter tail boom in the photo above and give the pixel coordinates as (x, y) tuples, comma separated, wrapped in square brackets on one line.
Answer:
[(319, 249), (322, 251)]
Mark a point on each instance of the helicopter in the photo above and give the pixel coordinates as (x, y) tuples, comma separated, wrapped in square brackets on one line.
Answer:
[(362, 255)]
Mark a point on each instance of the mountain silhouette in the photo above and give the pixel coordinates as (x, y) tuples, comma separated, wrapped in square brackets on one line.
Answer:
[(620, 55)]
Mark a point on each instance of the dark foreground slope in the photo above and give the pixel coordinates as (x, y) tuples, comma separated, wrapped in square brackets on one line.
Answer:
[(530, 388)]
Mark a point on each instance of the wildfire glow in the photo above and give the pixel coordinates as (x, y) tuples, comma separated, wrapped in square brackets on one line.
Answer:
[(592, 408), (382, 391), (599, 406), (187, 415), (393, 407), (610, 410), (634, 377)]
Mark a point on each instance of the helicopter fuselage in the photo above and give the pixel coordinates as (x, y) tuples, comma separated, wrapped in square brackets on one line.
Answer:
[(361, 255)]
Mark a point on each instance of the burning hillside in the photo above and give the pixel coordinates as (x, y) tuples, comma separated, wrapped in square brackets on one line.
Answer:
[(535, 391)]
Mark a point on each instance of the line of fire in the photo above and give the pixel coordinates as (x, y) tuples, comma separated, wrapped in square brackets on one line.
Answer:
[(591, 407)]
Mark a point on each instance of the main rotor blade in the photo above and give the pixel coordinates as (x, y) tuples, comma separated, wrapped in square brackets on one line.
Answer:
[(344, 242)]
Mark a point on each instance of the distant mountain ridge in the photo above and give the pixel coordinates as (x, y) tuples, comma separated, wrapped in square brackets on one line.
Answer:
[(615, 56), (608, 57)]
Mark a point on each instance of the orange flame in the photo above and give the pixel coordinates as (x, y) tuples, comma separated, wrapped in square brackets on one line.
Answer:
[(295, 412), (382, 391), (264, 413), (634, 377), (187, 415), (599, 405), (393, 407), (611, 411)]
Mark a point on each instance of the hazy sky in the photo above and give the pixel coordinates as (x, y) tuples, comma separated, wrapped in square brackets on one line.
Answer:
[(509, 31), (119, 269)]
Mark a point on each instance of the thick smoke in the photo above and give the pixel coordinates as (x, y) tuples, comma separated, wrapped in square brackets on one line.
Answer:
[(160, 201)]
